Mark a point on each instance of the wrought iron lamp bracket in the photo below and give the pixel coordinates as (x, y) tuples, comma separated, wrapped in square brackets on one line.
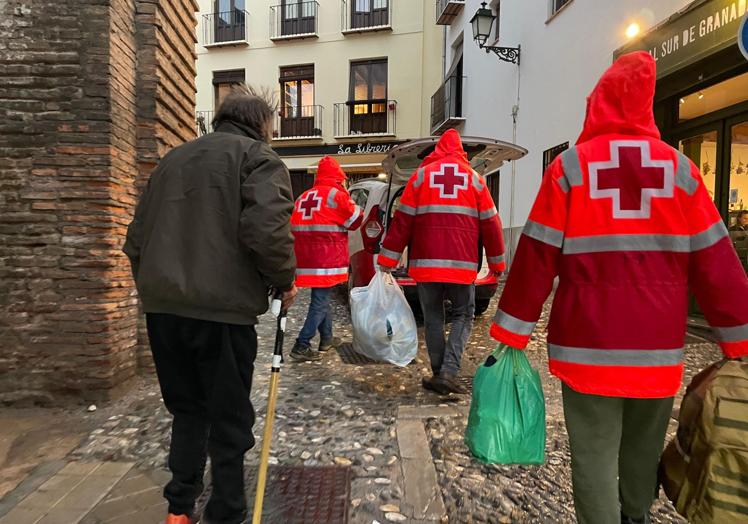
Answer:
[(507, 54)]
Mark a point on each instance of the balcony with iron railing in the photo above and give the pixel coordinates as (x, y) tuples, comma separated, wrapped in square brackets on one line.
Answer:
[(365, 117), (228, 28), (446, 105), (295, 122), (360, 16), (448, 10), (203, 120), (294, 20)]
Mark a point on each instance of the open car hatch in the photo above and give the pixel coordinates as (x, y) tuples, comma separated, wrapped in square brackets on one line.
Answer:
[(485, 154)]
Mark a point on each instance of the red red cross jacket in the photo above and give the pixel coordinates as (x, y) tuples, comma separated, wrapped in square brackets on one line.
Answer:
[(627, 225), (445, 212), (320, 222)]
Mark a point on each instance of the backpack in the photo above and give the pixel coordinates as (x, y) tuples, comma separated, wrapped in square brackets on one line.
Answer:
[(704, 469)]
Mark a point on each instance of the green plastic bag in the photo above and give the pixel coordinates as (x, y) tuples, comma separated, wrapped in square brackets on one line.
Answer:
[(507, 414)]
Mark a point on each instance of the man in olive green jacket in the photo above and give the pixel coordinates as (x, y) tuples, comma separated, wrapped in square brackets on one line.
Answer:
[(210, 239)]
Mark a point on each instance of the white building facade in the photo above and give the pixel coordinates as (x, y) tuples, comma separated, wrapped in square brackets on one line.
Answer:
[(565, 46)]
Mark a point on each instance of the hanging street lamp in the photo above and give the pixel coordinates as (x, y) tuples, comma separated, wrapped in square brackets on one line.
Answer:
[(482, 23)]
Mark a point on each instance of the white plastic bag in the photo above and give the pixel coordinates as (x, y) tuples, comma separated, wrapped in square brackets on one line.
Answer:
[(383, 325)]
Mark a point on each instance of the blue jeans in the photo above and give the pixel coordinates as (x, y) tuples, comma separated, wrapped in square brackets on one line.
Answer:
[(319, 317)]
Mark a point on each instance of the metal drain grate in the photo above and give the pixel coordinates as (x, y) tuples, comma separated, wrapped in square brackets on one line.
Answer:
[(298, 495), (349, 356)]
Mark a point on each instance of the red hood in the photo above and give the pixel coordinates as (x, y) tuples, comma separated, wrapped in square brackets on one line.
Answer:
[(329, 173), (622, 99), (449, 145)]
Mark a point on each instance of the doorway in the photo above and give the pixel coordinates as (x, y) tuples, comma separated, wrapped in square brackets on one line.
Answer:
[(711, 128)]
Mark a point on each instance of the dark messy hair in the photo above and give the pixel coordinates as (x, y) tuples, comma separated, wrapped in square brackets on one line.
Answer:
[(249, 106)]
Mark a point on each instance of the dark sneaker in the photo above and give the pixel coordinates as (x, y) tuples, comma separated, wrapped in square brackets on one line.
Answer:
[(304, 353), (327, 345), (435, 384), (452, 384)]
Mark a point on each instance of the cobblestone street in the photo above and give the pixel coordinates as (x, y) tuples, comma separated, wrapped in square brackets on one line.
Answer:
[(368, 416)]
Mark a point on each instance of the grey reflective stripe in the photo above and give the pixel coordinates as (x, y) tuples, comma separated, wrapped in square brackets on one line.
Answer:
[(709, 237), (456, 210), (331, 198), (732, 334), (513, 324), (390, 254), (616, 357), (546, 234), (354, 217), (320, 228), (561, 181), (683, 177), (603, 243), (408, 210), (490, 213), (441, 263), (419, 177), (572, 168), (496, 260), (477, 181), (323, 271)]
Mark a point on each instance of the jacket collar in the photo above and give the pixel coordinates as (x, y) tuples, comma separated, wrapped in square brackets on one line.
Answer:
[(236, 128)]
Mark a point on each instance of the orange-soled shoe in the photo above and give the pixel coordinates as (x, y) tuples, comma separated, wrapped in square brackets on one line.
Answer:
[(178, 519)]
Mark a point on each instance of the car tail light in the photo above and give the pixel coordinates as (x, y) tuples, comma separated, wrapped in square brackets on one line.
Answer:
[(372, 231)]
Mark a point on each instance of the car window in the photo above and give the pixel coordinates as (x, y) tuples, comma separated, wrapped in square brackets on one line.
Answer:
[(360, 196)]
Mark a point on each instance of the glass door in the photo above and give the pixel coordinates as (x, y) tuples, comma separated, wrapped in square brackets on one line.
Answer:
[(369, 13), (737, 185), (297, 17), (229, 20), (702, 147), (367, 97), (297, 110)]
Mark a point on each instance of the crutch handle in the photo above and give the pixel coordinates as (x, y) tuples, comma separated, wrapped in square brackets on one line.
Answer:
[(276, 305)]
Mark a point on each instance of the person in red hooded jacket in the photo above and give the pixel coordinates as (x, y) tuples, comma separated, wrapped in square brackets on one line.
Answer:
[(626, 223), (445, 213), (320, 222)]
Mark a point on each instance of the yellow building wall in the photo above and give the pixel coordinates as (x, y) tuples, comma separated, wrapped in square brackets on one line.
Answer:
[(413, 48)]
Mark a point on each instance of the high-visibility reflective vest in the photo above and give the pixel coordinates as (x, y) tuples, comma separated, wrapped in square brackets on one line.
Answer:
[(445, 213), (628, 226), (320, 222)]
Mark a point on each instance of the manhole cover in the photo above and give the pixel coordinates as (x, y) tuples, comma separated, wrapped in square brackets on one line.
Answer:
[(298, 495), (349, 356)]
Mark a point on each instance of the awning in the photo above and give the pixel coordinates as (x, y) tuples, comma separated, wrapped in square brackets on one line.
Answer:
[(357, 163), (369, 167)]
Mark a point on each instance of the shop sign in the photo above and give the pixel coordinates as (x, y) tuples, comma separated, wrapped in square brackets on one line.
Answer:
[(359, 148), (743, 36), (690, 36), (363, 148)]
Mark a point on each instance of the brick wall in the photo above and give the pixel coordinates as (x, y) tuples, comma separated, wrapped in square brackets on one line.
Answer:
[(166, 93), (82, 120)]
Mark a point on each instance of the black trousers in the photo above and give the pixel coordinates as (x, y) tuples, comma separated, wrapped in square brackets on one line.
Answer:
[(205, 372)]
